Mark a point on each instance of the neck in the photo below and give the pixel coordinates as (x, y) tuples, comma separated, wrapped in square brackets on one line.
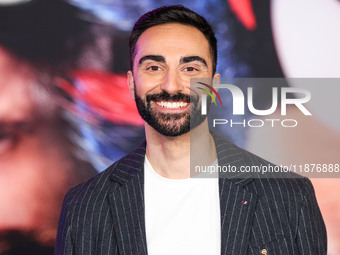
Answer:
[(171, 157)]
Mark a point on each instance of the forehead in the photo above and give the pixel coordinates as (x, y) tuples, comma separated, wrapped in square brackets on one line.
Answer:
[(173, 38), (15, 100)]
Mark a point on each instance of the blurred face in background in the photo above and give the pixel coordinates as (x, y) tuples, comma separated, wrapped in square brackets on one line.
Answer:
[(35, 159)]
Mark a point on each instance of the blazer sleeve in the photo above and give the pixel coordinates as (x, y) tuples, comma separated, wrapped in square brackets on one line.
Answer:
[(64, 244), (311, 231)]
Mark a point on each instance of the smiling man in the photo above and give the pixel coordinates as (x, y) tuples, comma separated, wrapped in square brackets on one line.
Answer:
[(146, 203)]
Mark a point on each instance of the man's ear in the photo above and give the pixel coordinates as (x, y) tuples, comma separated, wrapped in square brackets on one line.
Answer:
[(131, 84), (216, 80)]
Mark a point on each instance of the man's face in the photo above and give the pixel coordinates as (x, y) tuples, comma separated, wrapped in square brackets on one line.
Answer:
[(35, 166), (167, 56)]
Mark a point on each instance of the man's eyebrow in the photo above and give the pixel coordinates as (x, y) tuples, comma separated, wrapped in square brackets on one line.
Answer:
[(191, 59), (156, 58)]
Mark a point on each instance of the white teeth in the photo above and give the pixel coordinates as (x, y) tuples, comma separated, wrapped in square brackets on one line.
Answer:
[(171, 105)]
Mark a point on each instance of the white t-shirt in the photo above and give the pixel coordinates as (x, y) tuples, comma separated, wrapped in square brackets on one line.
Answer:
[(182, 216)]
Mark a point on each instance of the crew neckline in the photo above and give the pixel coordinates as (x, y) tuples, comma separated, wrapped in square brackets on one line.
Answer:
[(154, 173)]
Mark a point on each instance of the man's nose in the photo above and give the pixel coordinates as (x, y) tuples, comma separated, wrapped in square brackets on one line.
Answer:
[(173, 83)]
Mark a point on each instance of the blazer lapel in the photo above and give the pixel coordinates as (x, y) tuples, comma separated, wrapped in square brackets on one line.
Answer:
[(236, 203), (127, 204)]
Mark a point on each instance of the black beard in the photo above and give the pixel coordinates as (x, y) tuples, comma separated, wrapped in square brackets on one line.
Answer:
[(170, 124)]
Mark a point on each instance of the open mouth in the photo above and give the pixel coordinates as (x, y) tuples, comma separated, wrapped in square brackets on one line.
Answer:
[(172, 104)]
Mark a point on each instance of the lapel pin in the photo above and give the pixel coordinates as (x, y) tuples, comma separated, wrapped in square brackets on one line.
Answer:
[(244, 202), (264, 252)]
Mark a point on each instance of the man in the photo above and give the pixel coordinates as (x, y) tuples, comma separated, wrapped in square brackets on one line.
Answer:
[(146, 203)]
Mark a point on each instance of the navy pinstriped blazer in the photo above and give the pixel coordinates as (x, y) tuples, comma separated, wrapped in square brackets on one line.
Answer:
[(105, 215)]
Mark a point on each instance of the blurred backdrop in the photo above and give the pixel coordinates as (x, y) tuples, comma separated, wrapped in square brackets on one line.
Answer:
[(66, 112)]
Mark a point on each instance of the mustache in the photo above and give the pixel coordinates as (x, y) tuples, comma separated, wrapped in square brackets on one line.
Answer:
[(165, 96)]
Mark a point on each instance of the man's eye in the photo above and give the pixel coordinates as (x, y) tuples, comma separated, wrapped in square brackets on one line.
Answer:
[(190, 69), (154, 68)]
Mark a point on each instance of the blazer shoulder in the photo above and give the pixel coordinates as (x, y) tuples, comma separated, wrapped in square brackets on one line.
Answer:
[(90, 188), (84, 211), (88, 193), (270, 178)]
